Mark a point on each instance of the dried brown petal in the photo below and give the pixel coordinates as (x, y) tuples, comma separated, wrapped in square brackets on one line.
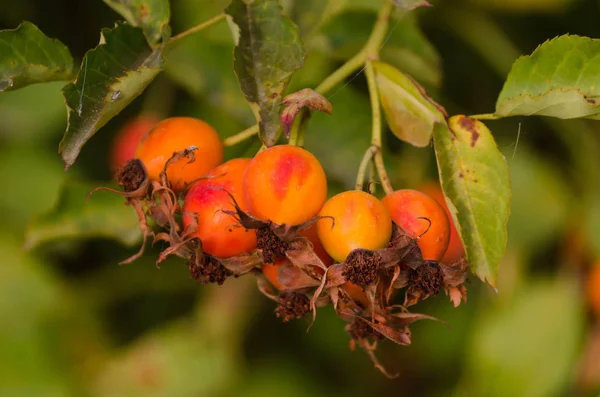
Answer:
[(242, 263), (292, 278)]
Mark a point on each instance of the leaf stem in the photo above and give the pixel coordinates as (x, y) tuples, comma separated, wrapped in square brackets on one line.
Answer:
[(362, 169), (241, 136), (197, 28), (351, 66), (376, 127), (372, 52)]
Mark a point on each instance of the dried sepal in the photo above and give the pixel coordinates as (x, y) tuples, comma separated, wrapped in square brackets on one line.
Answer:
[(292, 278), (188, 153), (297, 100), (265, 287), (241, 264)]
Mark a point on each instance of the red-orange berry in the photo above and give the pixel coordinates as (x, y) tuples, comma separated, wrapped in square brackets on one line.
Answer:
[(128, 138), (421, 217), (285, 184), (205, 203), (455, 249), (176, 134), (353, 219)]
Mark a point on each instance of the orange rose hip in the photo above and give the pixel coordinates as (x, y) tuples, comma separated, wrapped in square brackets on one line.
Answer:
[(353, 219), (285, 184), (176, 134)]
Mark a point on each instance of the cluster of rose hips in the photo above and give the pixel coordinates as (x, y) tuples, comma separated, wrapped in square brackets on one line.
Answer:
[(269, 216)]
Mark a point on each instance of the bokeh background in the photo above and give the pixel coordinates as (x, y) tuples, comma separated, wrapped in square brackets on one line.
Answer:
[(75, 323)]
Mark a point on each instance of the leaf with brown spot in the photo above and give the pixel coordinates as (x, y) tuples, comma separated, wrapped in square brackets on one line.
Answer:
[(298, 100), (475, 180), (559, 79), (151, 15)]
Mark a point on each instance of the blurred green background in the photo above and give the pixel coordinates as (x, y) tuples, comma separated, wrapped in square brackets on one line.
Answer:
[(75, 323)]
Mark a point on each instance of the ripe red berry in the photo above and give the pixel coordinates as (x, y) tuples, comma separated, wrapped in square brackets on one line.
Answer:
[(285, 184), (206, 201), (455, 249), (421, 217)]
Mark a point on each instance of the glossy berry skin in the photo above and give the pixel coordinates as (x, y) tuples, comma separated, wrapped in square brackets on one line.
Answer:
[(128, 138), (407, 206), (285, 184), (220, 233), (176, 134), (360, 221), (593, 289), (455, 249)]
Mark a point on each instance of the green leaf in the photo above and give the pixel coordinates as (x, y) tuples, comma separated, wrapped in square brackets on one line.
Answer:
[(559, 79), (268, 52), (112, 75), (410, 114), (474, 177), (27, 56), (103, 215), (409, 5), (151, 15)]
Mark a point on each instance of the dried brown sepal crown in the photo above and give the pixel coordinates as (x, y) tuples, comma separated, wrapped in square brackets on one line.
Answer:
[(207, 269), (292, 305)]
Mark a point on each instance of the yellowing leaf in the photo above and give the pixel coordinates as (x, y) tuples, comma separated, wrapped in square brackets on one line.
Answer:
[(410, 114), (475, 180)]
